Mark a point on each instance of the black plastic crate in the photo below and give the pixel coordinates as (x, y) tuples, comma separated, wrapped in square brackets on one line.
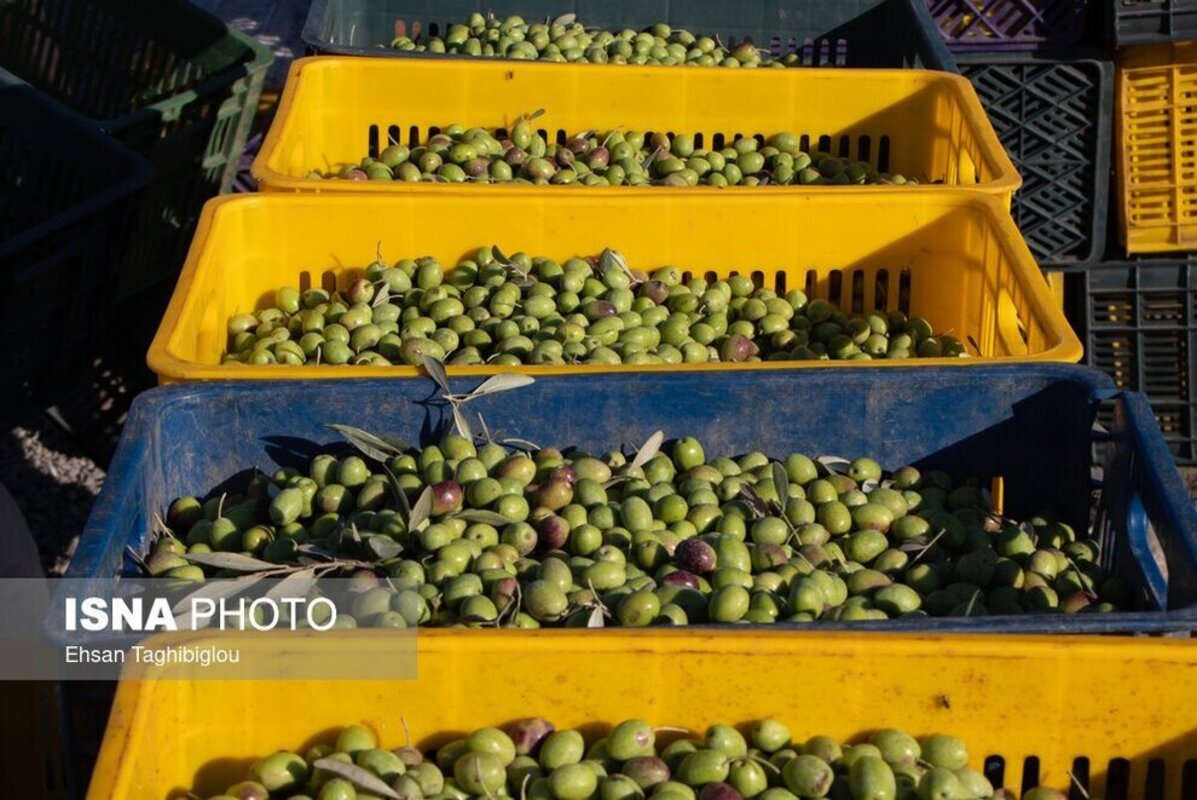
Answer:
[(1054, 117), (169, 80), (1150, 21), (65, 187), (1138, 321), (1000, 26), (852, 33)]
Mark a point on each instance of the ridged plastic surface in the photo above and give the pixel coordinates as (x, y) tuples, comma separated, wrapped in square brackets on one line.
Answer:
[(1054, 119), (1004, 25), (1139, 324), (1157, 165)]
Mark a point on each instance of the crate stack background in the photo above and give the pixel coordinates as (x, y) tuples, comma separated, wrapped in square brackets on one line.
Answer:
[(1046, 72)]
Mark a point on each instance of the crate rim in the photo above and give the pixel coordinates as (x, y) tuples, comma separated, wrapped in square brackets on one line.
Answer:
[(310, 37), (137, 168), (1006, 180), (1067, 346)]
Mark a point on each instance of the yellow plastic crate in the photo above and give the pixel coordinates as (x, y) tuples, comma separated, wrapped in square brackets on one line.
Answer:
[(1011, 698), (953, 258), (1156, 129), (928, 125)]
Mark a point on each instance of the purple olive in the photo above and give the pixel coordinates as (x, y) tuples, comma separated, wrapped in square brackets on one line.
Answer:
[(527, 734), (681, 577), (719, 791), (446, 497), (737, 348), (656, 291), (552, 533), (695, 555)]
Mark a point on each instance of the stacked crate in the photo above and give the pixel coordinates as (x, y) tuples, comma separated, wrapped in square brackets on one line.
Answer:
[(1010, 416)]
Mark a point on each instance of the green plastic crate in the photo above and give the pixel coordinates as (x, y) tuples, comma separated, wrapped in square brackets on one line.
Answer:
[(169, 80)]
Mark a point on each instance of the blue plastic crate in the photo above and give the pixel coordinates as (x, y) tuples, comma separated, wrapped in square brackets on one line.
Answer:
[(1033, 426)]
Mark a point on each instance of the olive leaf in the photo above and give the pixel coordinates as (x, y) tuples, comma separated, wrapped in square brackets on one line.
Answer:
[(651, 446), (357, 537), (376, 447), (535, 114), (356, 775), (421, 510), (397, 493), (233, 561), (759, 507), (595, 620), (137, 559), (462, 422), (214, 590), (383, 295), (483, 516), (436, 371), (383, 546), (297, 584), (781, 482), (986, 498), (566, 19), (869, 485), (833, 464), (498, 255), (648, 162), (501, 383)]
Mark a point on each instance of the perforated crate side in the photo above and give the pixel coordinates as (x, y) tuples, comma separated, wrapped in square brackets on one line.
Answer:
[(1139, 323), (1005, 25), (1054, 119), (1150, 21)]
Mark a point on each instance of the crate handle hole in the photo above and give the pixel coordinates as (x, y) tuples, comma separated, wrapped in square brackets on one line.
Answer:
[(966, 170), (1011, 328)]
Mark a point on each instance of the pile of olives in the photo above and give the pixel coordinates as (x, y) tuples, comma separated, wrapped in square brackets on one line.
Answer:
[(491, 309), (566, 40), (669, 537), (614, 158), (532, 760)]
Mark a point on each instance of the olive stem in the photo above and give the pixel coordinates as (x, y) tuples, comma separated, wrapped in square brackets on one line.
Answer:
[(927, 546)]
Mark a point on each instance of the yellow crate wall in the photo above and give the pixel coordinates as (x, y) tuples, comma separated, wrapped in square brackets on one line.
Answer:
[(955, 259), (336, 110), (1014, 698), (1156, 134)]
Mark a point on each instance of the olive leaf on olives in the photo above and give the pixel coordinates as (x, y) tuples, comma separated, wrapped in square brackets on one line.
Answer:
[(217, 590), (759, 507), (297, 584), (421, 510), (379, 448), (354, 774), (233, 561), (837, 465), (651, 446)]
